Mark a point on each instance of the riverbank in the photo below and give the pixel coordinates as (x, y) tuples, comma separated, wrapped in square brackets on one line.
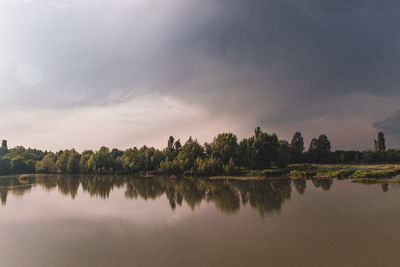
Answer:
[(362, 173)]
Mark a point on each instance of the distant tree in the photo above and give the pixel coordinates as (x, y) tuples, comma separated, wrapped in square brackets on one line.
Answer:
[(208, 166), (230, 167), (172, 149), (62, 162), (313, 146), (116, 153), (319, 149), (379, 144), (225, 147), (258, 151), (47, 164), (18, 165), (190, 151), (73, 162), (3, 148), (245, 153), (83, 161), (283, 156), (4, 166), (297, 147), (102, 161)]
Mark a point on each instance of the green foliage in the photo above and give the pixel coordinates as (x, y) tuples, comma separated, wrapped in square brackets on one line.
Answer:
[(102, 161), (3, 148), (208, 166), (259, 151), (262, 154), (190, 151), (47, 164), (230, 168), (375, 173), (284, 153), (224, 147), (5, 166)]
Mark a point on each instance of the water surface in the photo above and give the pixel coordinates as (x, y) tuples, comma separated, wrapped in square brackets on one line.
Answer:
[(127, 221)]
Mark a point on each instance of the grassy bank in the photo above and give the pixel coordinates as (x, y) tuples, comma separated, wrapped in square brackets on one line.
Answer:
[(341, 171)]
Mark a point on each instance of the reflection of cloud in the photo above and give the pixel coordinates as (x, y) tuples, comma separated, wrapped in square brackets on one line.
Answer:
[(51, 206), (184, 212)]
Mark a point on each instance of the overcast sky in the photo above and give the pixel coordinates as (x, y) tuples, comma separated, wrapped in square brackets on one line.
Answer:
[(86, 73)]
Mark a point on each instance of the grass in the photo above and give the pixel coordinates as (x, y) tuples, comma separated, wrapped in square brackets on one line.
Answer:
[(377, 174), (375, 181)]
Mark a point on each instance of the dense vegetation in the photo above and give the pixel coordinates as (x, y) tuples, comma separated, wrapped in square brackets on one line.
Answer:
[(225, 155)]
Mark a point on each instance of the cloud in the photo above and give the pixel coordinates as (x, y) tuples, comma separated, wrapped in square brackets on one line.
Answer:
[(390, 125), (271, 63)]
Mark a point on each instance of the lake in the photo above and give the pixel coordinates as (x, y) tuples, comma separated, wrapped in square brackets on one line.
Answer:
[(128, 221)]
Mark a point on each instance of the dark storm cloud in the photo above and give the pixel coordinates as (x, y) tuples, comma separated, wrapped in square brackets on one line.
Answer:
[(264, 61), (390, 125)]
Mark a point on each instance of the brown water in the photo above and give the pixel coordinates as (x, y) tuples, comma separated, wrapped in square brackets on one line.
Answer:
[(122, 221)]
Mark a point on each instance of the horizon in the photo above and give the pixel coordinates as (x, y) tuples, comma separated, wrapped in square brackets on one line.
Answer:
[(306, 144)]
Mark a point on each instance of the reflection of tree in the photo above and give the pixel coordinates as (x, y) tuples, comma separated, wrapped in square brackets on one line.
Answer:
[(144, 188), (68, 186), (385, 187), (3, 195), (300, 185), (192, 191), (227, 195), (324, 183), (268, 196), (17, 186)]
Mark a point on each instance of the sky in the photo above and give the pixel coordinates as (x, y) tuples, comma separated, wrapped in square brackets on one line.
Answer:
[(86, 73)]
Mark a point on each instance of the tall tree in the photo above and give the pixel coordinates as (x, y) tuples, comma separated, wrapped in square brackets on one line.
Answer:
[(224, 147), (3, 148), (283, 156), (320, 148), (190, 151), (297, 147), (380, 143), (264, 149)]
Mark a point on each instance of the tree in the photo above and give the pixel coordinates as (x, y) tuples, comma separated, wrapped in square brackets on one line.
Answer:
[(283, 156), (264, 149), (116, 153), (62, 162), (190, 151), (47, 164), (172, 149), (3, 148), (230, 167), (83, 161), (73, 162), (224, 147), (380, 143), (320, 148), (18, 165), (102, 161), (4, 166), (297, 147)]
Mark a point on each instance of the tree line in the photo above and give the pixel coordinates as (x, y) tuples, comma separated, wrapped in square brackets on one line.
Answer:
[(224, 155)]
